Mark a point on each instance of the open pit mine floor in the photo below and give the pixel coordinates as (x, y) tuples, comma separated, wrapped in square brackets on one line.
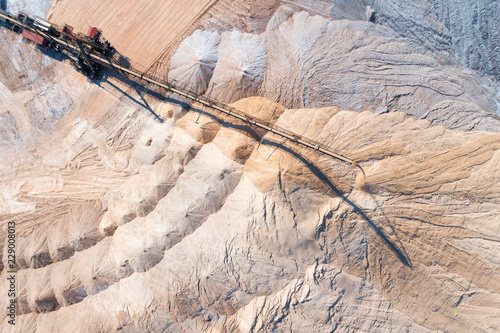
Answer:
[(249, 166)]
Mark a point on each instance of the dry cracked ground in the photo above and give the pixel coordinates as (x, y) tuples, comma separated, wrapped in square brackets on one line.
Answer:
[(137, 211)]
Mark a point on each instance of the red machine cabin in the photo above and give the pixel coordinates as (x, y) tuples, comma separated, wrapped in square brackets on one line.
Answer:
[(93, 33), (35, 38)]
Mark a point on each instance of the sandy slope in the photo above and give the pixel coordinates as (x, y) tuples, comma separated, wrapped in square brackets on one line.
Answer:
[(221, 234), (304, 60), (140, 30), (195, 224)]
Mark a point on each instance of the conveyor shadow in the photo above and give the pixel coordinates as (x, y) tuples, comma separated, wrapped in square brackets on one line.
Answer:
[(58, 56), (392, 228), (4, 25), (400, 254), (140, 91), (245, 129)]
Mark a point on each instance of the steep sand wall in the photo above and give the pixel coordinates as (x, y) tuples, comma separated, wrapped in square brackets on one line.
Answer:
[(220, 232), (189, 222)]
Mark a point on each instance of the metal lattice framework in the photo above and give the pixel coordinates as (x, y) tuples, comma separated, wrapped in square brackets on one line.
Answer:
[(72, 50)]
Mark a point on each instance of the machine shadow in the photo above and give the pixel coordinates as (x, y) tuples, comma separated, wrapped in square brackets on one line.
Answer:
[(141, 90), (244, 129), (400, 254)]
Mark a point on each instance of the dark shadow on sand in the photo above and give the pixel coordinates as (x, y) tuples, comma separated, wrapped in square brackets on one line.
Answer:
[(400, 254), (143, 89)]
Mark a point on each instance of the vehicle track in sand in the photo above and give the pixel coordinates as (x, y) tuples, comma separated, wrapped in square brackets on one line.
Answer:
[(172, 17)]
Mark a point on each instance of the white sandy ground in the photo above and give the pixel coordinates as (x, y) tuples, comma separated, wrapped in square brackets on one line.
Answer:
[(126, 223), (218, 235)]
